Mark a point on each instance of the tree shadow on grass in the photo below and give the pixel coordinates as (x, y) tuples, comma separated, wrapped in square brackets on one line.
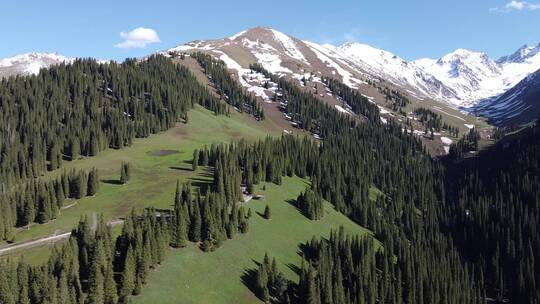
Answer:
[(261, 215), (294, 203), (249, 278), (207, 174), (111, 181), (181, 169), (201, 183), (307, 252), (294, 268)]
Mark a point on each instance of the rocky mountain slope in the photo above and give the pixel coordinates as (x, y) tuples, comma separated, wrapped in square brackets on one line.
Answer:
[(517, 106), (461, 79), (353, 63)]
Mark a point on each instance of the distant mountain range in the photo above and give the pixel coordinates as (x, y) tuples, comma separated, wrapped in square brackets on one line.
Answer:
[(467, 80), (30, 63)]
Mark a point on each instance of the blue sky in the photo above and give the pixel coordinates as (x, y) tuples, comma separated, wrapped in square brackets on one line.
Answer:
[(410, 29)]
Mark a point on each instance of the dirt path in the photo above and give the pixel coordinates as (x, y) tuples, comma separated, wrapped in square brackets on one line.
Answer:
[(46, 240)]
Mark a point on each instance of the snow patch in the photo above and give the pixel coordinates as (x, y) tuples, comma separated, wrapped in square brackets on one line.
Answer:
[(324, 55), (290, 46), (341, 109), (233, 37), (446, 141), (271, 62)]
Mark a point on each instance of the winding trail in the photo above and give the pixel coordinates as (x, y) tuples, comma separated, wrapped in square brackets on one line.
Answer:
[(46, 240)]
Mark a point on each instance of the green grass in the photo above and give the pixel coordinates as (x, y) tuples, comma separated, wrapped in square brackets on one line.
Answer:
[(189, 275), (153, 177)]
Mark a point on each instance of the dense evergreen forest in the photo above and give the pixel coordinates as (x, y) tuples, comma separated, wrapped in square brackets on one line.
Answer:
[(351, 158), (75, 110), (91, 267), (467, 143), (82, 108), (493, 215), (40, 200), (462, 231)]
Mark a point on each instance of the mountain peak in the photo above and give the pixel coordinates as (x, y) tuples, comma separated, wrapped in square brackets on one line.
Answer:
[(523, 53), (360, 50), (30, 63), (463, 54)]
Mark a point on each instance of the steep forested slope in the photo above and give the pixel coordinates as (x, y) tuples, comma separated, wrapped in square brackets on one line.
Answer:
[(455, 236), (77, 110), (492, 214)]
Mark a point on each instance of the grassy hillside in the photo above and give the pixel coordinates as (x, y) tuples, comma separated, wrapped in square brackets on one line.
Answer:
[(189, 275), (157, 163)]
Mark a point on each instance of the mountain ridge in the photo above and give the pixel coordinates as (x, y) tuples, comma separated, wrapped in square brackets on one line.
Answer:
[(462, 79)]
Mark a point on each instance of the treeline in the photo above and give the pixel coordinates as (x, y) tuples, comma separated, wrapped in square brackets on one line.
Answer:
[(493, 214), (227, 87), (79, 109), (40, 200), (395, 98), (352, 158), (467, 143), (433, 121), (359, 104), (271, 284), (351, 269), (311, 204)]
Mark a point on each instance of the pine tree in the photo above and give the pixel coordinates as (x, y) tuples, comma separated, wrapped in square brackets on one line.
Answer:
[(128, 274), (93, 182), (110, 290), (125, 173), (96, 280), (180, 225), (75, 148), (267, 212), (195, 161)]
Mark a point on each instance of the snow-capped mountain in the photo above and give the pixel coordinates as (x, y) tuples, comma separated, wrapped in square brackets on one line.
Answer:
[(474, 76), (278, 53), (395, 69), (519, 105), (30, 63), (462, 78), (353, 63), (521, 55)]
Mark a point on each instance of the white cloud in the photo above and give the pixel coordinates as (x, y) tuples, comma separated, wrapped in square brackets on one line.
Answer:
[(517, 5), (138, 38)]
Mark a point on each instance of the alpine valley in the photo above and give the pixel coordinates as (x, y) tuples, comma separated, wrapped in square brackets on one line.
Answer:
[(263, 168)]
